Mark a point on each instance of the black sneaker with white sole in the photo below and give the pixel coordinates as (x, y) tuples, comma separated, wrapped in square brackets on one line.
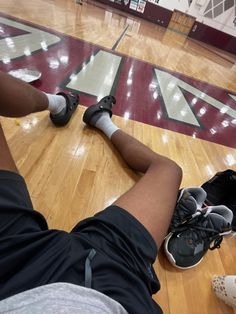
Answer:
[(190, 200), (189, 242)]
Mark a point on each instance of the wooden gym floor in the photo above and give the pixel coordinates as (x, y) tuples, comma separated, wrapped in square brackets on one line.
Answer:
[(74, 172)]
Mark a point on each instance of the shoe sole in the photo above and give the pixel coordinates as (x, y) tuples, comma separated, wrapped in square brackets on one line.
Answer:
[(170, 257)]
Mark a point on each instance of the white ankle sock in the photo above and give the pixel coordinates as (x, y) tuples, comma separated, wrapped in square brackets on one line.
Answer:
[(56, 103), (105, 124)]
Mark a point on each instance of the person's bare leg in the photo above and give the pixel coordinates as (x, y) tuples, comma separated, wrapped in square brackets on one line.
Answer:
[(152, 199), (18, 98)]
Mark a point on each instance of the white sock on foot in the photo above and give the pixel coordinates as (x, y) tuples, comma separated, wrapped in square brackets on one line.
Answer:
[(105, 124), (56, 103)]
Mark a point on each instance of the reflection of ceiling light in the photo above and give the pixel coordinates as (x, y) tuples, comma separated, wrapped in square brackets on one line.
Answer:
[(202, 111), (128, 94), (78, 151), (171, 85), (209, 170), (213, 131), (26, 125), (164, 138), (224, 109), (6, 60), (158, 115), (10, 42), (99, 97), (153, 85), (183, 113), (34, 121), (73, 77), (44, 45), (233, 121), (54, 64), (194, 100), (111, 201), (155, 95), (126, 115), (230, 160), (129, 81), (225, 123), (27, 51), (176, 97), (64, 59), (194, 134)]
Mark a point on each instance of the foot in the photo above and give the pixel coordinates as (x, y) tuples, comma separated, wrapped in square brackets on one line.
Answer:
[(99, 116), (225, 289), (94, 112), (63, 117)]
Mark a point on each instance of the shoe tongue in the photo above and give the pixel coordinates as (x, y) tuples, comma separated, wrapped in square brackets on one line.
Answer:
[(217, 222), (188, 204)]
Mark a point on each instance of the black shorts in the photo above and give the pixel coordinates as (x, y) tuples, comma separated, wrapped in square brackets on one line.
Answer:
[(111, 252)]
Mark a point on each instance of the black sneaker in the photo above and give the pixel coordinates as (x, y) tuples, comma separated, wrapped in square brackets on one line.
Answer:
[(187, 245), (189, 202), (221, 191)]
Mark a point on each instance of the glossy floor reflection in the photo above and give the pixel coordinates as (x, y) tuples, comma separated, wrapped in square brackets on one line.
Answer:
[(158, 77), (144, 92)]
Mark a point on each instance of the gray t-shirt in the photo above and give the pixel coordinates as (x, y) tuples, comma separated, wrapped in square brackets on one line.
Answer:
[(61, 298)]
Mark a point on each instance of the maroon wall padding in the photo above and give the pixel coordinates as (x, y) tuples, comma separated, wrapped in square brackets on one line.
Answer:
[(161, 16), (213, 37), (152, 12), (157, 14)]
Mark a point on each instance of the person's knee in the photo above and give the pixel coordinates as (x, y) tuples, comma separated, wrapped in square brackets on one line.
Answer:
[(170, 166), (175, 168)]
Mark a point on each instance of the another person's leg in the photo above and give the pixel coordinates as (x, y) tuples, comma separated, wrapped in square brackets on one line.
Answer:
[(23, 231), (18, 99)]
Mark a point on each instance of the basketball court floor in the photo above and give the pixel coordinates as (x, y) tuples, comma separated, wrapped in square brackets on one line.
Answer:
[(176, 95)]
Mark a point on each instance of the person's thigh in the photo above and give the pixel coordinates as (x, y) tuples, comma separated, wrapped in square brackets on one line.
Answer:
[(152, 199), (123, 254), (16, 210)]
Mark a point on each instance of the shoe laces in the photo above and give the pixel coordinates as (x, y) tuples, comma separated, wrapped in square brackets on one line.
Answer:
[(196, 231), (189, 201)]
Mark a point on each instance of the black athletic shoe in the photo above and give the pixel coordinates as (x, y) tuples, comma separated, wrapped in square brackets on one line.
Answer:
[(187, 245), (221, 191), (189, 202)]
